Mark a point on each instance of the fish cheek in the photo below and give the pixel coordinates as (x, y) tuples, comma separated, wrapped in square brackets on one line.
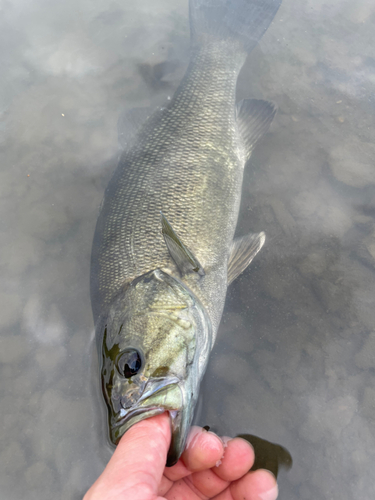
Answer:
[(172, 354), (161, 371)]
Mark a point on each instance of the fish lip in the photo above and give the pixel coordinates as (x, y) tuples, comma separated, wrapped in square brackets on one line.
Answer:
[(155, 385), (133, 412), (152, 387), (118, 429)]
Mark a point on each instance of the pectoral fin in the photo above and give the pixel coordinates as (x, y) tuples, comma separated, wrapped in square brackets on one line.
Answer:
[(254, 118), (243, 251), (183, 257)]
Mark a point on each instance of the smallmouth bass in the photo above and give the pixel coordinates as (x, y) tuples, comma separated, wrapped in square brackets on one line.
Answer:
[(164, 251)]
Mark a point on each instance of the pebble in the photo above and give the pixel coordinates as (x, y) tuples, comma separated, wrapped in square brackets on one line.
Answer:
[(328, 417), (364, 301), (13, 348), (47, 327), (369, 243), (333, 295), (44, 221), (297, 385), (49, 358), (12, 458), (22, 251), (351, 163), (235, 333), (359, 12), (66, 416), (230, 368), (283, 216), (315, 263), (274, 283), (368, 403), (10, 309), (365, 358), (39, 473)]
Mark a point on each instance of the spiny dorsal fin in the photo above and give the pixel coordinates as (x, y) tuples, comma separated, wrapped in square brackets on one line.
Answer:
[(254, 118), (183, 257), (243, 251)]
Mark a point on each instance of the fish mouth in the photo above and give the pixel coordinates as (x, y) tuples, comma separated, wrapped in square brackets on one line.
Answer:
[(159, 396), (119, 428)]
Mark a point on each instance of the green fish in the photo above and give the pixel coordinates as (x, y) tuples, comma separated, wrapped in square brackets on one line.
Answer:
[(164, 250)]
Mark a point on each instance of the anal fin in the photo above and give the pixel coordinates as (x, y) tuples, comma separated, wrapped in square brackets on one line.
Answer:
[(243, 251)]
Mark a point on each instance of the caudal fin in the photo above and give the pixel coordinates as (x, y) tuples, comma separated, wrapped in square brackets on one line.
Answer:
[(242, 20)]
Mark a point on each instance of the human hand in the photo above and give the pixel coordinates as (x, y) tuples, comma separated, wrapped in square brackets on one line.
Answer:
[(137, 469)]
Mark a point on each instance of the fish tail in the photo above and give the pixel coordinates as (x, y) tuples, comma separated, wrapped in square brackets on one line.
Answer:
[(240, 21)]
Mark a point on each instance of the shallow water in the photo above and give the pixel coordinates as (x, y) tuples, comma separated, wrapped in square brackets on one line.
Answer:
[(295, 357)]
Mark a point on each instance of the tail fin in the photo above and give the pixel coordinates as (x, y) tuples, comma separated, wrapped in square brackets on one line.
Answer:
[(242, 20)]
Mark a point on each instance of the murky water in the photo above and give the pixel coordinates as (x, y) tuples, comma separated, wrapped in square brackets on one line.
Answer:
[(295, 357)]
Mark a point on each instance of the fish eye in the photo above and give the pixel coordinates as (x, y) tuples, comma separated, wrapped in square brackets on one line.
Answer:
[(129, 363)]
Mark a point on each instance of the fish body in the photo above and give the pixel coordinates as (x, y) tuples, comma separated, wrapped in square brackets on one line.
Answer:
[(164, 250)]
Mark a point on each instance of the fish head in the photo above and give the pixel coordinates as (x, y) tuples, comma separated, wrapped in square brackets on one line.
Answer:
[(155, 344)]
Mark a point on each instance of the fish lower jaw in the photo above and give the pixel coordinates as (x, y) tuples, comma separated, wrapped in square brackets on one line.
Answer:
[(166, 395), (132, 417)]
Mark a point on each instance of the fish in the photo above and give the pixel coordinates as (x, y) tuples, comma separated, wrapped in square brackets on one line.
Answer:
[(164, 251)]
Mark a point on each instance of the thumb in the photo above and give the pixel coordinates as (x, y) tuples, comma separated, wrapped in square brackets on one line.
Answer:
[(136, 467)]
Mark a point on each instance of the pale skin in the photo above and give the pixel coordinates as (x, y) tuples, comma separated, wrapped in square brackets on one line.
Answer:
[(137, 468)]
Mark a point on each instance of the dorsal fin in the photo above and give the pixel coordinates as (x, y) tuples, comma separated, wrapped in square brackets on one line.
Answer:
[(183, 257), (254, 118), (243, 251)]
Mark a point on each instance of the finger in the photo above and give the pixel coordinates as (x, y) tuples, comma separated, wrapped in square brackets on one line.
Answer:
[(203, 450), (165, 486), (206, 483), (258, 485), (131, 472), (177, 471), (181, 490), (237, 461)]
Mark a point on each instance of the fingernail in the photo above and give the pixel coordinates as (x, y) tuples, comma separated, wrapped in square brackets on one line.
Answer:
[(216, 440), (196, 433), (270, 494)]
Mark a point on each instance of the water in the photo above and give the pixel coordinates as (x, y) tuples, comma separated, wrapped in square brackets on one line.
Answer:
[(294, 361)]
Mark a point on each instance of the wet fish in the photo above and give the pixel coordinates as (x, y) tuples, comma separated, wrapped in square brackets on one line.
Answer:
[(164, 251)]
